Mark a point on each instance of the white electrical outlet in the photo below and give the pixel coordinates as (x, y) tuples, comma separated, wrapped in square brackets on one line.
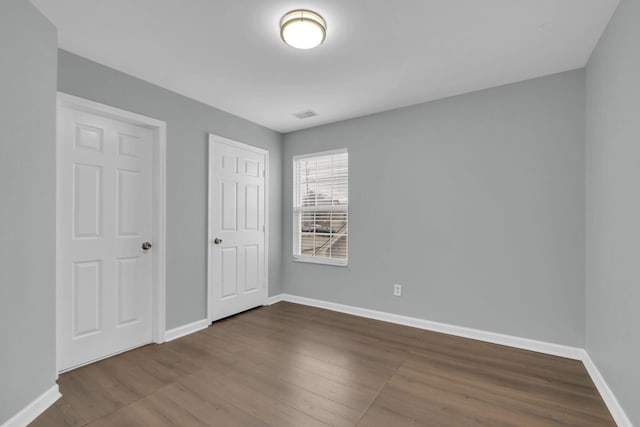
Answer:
[(397, 290)]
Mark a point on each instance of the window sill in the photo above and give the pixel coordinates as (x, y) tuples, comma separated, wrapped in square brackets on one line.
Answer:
[(321, 261)]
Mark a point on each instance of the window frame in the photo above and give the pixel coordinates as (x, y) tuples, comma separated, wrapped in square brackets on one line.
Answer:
[(296, 209)]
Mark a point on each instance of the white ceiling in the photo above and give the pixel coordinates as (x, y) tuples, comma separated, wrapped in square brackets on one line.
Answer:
[(378, 54)]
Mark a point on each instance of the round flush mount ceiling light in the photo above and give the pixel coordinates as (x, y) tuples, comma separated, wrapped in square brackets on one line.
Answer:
[(303, 29)]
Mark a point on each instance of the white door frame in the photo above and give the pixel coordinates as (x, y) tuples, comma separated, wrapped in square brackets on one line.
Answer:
[(158, 316), (220, 139)]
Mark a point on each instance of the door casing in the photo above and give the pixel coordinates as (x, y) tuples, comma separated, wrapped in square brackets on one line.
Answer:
[(219, 139), (159, 203)]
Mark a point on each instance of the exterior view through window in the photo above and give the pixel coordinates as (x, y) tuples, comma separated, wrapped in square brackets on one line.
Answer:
[(321, 207)]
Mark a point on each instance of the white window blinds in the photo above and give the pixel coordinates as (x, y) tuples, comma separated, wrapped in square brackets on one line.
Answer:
[(321, 207)]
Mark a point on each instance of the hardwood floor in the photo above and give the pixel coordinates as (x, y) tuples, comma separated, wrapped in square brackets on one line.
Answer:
[(292, 365)]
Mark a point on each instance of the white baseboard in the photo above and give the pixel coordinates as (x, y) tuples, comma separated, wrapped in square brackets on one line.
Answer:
[(460, 331), (609, 398), (274, 299), (568, 352), (181, 331), (34, 409)]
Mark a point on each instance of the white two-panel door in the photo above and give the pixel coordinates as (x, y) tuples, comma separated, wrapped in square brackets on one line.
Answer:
[(237, 237), (105, 190)]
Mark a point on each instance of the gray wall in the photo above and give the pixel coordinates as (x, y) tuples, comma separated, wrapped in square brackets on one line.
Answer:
[(28, 48), (188, 125), (474, 203), (613, 206)]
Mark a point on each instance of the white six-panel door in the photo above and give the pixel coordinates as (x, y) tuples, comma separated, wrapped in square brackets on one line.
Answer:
[(237, 270), (105, 189)]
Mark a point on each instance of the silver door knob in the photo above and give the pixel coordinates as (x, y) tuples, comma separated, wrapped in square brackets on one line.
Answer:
[(217, 241), (146, 246)]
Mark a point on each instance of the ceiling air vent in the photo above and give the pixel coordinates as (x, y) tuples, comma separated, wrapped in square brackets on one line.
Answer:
[(305, 114)]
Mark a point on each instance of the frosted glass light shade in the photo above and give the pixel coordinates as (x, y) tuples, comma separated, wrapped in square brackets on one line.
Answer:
[(303, 29)]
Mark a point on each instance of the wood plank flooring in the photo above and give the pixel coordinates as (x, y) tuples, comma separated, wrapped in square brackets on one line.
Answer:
[(292, 365)]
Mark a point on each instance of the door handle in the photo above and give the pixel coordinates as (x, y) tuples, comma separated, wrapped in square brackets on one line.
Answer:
[(146, 246), (217, 240)]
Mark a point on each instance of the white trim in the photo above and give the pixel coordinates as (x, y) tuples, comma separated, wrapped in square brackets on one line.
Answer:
[(267, 228), (160, 234), (159, 198), (320, 154), (232, 143), (209, 228), (460, 331), (34, 409), (321, 260), (575, 353), (618, 414), (275, 299), (237, 144), (104, 110), (181, 331)]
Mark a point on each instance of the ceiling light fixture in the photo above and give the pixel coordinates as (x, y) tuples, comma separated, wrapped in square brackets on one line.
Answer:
[(303, 29)]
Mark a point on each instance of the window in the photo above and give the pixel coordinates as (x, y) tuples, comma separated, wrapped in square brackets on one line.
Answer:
[(321, 207)]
